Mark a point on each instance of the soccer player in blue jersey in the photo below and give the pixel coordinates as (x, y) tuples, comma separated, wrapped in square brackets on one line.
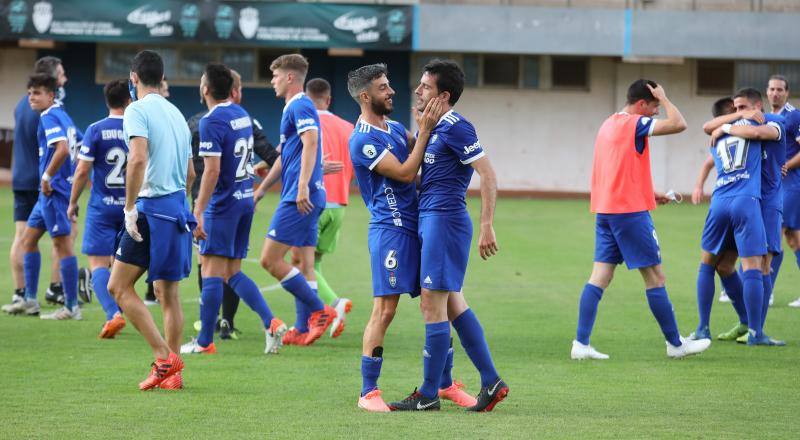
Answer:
[(778, 96), (294, 222), (445, 233), (736, 218), (58, 139), (158, 224), (386, 163), (224, 210), (748, 106), (103, 155)]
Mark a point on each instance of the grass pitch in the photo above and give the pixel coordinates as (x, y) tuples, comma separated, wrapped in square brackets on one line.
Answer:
[(60, 381)]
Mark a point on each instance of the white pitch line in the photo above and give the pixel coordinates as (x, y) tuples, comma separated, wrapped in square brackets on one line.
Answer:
[(271, 288)]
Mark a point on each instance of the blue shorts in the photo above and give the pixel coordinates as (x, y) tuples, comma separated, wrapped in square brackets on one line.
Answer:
[(168, 255), (445, 242), (735, 223), (772, 226), (791, 210), (629, 238), (102, 228), (394, 258), (227, 235), (50, 214), (290, 227), (24, 201)]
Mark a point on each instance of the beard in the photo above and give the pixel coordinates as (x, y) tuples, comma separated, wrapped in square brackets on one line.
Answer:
[(381, 108)]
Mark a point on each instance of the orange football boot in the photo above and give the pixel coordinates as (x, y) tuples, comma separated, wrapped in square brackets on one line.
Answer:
[(319, 322), (112, 327), (174, 382), (373, 402), (457, 395), (162, 369), (294, 337)]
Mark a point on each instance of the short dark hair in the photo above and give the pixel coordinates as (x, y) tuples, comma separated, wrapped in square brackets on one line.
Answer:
[(318, 88), (219, 80), (722, 106), (117, 94), (780, 78), (749, 93), (358, 80), (42, 80), (639, 90), (47, 65), (449, 77), (149, 67)]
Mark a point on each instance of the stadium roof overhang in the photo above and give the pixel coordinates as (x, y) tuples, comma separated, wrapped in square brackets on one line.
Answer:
[(607, 32)]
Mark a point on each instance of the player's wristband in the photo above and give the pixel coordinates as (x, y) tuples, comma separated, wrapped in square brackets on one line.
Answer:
[(46, 177), (726, 128)]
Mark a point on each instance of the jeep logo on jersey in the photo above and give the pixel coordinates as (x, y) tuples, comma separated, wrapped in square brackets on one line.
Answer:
[(369, 151), (206, 145), (42, 16), (306, 121), (470, 148), (248, 22)]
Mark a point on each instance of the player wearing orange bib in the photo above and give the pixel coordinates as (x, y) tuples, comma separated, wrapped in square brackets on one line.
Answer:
[(622, 196)]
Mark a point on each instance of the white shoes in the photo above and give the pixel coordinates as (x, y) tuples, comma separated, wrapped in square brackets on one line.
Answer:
[(64, 313), (723, 297), (24, 307), (688, 347), (343, 307), (795, 303), (14, 299), (274, 336), (771, 298), (192, 347), (581, 352)]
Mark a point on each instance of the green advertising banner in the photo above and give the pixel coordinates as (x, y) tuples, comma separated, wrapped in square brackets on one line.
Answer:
[(305, 25)]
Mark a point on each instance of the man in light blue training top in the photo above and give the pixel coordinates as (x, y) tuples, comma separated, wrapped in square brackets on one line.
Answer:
[(159, 169), (103, 155)]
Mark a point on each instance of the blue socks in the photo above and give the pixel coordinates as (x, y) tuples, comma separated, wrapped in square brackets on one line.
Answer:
[(705, 295), (775, 266), (370, 371), (100, 278), (474, 342), (753, 283), (31, 263), (247, 290), (437, 342), (733, 288), (765, 304), (295, 283), (587, 312), (211, 299), (659, 303), (301, 311), (447, 374), (69, 278)]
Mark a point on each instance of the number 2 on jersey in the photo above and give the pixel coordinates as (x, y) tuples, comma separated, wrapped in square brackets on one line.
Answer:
[(116, 177), (732, 152)]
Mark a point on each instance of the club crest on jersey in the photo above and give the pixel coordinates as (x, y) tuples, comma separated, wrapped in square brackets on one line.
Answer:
[(370, 151), (392, 279), (433, 139)]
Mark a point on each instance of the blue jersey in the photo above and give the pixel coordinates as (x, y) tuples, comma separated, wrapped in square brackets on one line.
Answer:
[(55, 125), (104, 145), (738, 163), (791, 117), (391, 204), (226, 131), (299, 116), (446, 173), (25, 160), (774, 156)]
